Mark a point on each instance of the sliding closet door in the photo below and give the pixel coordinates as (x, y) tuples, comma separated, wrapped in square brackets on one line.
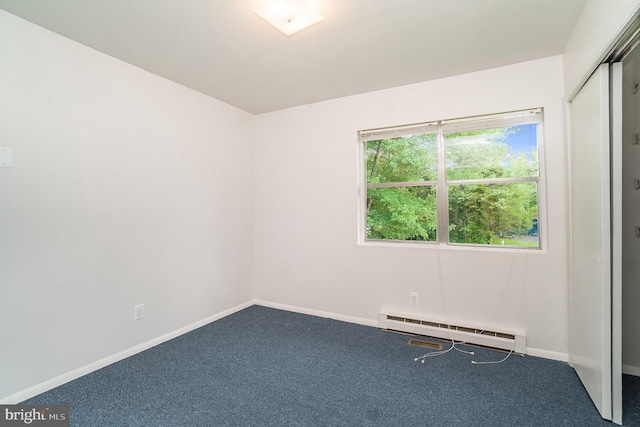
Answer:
[(590, 310)]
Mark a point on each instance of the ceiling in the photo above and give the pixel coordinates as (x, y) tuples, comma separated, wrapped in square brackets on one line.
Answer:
[(223, 49)]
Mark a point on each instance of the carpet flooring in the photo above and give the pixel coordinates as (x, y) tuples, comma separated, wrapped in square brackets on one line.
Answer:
[(267, 367)]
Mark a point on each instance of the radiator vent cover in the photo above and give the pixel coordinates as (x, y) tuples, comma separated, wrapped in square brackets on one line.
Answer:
[(503, 340)]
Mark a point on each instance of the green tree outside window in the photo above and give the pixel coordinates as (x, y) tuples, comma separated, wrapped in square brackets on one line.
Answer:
[(490, 178)]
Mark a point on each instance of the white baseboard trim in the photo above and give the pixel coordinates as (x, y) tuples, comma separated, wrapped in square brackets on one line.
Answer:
[(546, 354), (91, 367), (631, 370), (318, 313)]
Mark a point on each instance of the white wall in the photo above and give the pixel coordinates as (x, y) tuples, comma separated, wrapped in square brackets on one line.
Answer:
[(127, 188), (630, 215), (306, 200), (601, 22)]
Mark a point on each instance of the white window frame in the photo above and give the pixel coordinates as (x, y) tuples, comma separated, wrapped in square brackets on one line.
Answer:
[(514, 118)]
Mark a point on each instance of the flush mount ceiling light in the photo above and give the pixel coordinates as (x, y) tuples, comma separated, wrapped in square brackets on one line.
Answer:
[(289, 16)]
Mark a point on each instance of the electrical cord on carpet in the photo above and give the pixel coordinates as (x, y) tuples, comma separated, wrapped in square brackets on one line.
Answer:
[(453, 342)]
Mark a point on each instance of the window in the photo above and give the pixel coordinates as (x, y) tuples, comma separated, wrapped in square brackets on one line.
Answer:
[(471, 181)]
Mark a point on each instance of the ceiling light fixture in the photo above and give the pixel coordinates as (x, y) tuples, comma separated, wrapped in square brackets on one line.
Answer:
[(289, 16)]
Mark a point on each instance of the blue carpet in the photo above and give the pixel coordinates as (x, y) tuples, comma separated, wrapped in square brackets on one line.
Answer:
[(266, 367), (630, 400)]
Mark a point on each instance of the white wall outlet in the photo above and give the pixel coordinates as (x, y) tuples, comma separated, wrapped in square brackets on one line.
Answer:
[(414, 298), (6, 157), (138, 311)]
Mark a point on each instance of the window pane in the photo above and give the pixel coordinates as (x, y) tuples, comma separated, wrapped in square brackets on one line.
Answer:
[(494, 214), (492, 153), (401, 213), (409, 158)]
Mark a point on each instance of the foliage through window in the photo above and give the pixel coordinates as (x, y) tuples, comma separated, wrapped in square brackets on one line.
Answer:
[(468, 181)]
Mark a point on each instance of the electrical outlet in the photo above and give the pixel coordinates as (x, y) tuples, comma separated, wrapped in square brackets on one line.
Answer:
[(138, 312), (414, 298), (6, 157)]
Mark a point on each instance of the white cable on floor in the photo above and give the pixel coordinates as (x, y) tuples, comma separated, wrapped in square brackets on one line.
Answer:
[(493, 362), (453, 342)]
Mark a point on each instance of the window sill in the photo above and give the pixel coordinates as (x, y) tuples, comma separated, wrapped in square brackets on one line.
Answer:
[(454, 247)]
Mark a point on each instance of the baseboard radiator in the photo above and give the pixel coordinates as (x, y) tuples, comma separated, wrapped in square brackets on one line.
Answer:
[(494, 339)]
